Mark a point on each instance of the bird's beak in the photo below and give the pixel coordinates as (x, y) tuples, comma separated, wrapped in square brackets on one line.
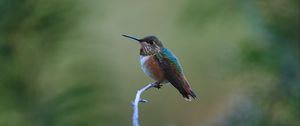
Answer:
[(139, 40)]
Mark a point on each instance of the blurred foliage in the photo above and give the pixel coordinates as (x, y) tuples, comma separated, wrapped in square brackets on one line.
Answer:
[(276, 50), (63, 62), (31, 35)]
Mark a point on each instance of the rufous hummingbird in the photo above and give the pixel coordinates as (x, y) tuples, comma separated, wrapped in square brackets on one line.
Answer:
[(162, 65)]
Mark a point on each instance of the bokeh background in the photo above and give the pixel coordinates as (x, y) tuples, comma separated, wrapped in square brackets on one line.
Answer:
[(65, 63)]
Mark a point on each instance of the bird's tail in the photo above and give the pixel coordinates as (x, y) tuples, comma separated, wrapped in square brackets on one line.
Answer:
[(187, 92), (189, 95)]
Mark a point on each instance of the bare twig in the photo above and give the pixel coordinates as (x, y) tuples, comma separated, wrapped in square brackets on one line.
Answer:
[(136, 101)]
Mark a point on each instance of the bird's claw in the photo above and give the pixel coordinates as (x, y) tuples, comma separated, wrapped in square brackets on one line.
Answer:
[(158, 86)]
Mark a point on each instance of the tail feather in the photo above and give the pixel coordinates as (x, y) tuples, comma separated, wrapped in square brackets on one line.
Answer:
[(184, 89), (188, 95), (193, 94)]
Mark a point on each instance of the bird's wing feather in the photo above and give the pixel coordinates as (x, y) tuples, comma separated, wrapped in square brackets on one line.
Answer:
[(173, 71)]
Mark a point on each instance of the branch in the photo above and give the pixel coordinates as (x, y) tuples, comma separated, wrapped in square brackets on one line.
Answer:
[(136, 101)]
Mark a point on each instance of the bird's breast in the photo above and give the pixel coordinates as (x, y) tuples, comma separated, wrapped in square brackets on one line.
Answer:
[(151, 68)]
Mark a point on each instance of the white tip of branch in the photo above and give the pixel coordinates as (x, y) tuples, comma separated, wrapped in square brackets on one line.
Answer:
[(136, 102), (143, 101)]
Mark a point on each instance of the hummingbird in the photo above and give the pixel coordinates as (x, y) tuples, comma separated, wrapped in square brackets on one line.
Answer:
[(160, 64)]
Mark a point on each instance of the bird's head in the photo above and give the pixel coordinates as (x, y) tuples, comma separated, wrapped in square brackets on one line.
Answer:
[(150, 45)]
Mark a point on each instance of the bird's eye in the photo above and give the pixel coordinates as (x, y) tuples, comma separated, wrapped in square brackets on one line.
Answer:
[(151, 42)]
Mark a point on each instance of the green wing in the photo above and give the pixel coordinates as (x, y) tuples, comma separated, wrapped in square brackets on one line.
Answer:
[(174, 73)]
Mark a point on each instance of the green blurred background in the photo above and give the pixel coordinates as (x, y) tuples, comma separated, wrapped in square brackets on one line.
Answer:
[(65, 63)]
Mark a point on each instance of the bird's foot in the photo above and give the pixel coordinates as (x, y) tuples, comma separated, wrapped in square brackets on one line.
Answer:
[(158, 85)]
